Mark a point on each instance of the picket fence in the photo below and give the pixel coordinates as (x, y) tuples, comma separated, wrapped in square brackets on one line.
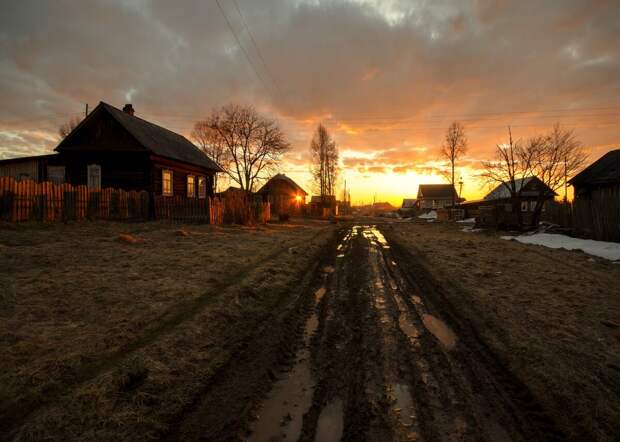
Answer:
[(27, 200)]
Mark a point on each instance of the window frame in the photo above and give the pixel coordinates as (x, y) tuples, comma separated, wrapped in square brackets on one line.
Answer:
[(202, 187), (525, 206), (192, 179), (170, 191), (89, 168)]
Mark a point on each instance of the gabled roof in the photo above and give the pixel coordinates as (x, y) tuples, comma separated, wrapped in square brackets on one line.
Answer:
[(521, 185), (436, 191), (605, 170), (409, 203), (156, 139), (281, 177)]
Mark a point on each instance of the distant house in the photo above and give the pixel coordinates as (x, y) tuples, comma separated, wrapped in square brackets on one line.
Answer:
[(408, 207), (600, 179), (496, 208), (382, 207), (436, 196), (284, 195), (114, 148)]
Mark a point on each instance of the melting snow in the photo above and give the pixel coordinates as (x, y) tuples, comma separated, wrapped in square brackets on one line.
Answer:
[(430, 215), (607, 250)]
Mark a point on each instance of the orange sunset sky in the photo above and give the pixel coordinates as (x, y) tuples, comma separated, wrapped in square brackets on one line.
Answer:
[(385, 77)]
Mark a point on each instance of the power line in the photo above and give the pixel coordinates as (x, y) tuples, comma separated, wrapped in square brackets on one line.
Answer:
[(247, 57), (258, 51)]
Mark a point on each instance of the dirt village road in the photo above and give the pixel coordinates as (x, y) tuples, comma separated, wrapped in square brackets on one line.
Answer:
[(375, 331)]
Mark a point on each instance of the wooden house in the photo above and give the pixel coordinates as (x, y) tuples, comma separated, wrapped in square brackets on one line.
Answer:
[(496, 208), (284, 195), (436, 196), (600, 180), (115, 148)]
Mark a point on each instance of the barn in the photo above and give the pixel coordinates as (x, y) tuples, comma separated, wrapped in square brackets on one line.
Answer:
[(285, 196)]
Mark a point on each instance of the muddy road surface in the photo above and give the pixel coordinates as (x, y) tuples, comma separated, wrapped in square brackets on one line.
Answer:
[(366, 353)]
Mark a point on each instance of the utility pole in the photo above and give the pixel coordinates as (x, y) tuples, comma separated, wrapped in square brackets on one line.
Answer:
[(86, 111), (565, 182)]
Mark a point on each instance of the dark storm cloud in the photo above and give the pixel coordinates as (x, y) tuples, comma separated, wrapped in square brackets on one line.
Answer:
[(363, 67)]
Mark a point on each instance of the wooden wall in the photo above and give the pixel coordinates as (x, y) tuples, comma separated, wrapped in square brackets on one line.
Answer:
[(180, 171)]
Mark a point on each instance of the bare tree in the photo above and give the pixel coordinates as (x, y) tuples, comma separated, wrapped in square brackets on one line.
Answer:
[(454, 147), (68, 127), (551, 158), (252, 143), (211, 143), (512, 165), (324, 157), (558, 155)]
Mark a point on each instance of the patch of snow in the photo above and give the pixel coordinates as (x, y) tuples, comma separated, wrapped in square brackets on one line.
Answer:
[(467, 221), (430, 215), (602, 249), (470, 229)]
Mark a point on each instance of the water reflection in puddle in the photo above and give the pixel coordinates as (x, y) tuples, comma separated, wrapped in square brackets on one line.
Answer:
[(281, 414), (440, 330), (328, 269), (404, 404), (331, 423)]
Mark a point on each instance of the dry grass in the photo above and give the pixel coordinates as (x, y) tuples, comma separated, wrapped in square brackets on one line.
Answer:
[(119, 335), (543, 311)]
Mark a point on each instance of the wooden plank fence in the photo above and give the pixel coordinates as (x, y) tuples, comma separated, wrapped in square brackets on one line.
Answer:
[(597, 218), (27, 200)]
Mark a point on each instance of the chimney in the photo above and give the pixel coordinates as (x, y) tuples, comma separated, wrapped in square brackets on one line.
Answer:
[(128, 108)]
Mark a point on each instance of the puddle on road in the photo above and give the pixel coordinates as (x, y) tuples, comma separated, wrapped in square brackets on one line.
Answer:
[(331, 423), (416, 299), (440, 330), (340, 255), (404, 404), (281, 413), (328, 269)]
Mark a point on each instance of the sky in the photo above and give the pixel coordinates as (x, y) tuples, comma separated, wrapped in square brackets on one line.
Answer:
[(385, 77)]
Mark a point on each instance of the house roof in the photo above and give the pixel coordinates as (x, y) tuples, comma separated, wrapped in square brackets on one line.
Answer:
[(281, 177), (502, 192), (28, 158), (436, 191), (409, 203), (156, 139), (605, 170)]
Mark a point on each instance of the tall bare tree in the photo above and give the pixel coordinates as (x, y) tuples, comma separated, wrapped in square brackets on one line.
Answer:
[(211, 143), (253, 144), (455, 145), (68, 127), (324, 157)]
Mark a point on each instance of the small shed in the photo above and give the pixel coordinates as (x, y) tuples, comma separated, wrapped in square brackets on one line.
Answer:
[(285, 196), (37, 168)]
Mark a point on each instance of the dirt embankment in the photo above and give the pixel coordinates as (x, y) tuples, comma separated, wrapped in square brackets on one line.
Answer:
[(551, 316), (105, 340)]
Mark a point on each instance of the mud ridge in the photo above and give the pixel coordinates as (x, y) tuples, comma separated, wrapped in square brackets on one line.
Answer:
[(515, 404)]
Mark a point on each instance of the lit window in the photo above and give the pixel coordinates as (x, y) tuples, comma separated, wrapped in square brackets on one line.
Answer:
[(191, 186), (524, 206), (533, 205), (166, 182), (202, 187)]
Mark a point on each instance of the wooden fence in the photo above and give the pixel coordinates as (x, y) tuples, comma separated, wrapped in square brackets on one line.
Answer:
[(31, 201), (48, 202), (597, 218)]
